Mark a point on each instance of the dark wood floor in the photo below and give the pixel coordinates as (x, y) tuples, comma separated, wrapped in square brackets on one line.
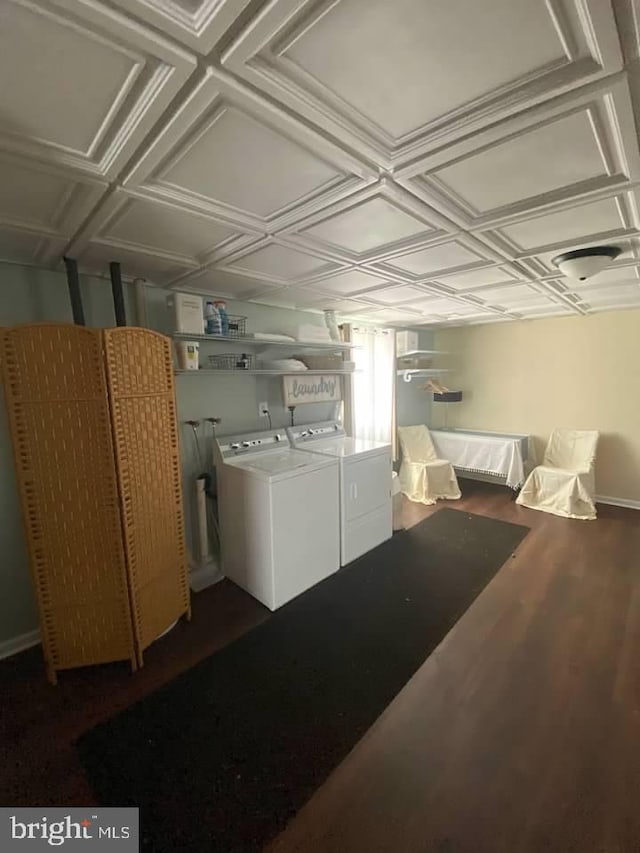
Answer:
[(520, 733)]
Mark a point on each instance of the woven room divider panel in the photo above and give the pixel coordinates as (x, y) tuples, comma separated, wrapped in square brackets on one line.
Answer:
[(145, 435), (56, 394)]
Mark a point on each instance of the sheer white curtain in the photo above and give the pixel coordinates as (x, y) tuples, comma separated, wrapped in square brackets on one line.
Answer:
[(372, 398)]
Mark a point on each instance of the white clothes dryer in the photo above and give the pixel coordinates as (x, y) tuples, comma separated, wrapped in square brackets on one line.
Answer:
[(365, 484)]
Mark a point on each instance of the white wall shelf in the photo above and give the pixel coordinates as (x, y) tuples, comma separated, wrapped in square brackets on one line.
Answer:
[(330, 346), (422, 352), (209, 371), (423, 371)]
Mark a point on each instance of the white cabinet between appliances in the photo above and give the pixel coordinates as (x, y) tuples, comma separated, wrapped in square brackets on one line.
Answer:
[(366, 498)]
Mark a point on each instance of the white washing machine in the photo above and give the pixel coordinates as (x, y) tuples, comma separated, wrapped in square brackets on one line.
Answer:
[(279, 518), (365, 484)]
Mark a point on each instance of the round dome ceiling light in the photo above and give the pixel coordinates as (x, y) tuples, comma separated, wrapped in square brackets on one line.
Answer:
[(584, 263)]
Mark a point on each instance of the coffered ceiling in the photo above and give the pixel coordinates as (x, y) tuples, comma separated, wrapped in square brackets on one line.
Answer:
[(412, 162)]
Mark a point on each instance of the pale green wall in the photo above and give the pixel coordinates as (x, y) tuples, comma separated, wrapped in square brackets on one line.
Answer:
[(30, 295), (413, 405)]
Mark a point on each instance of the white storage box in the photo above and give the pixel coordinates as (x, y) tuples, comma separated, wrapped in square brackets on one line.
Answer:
[(406, 342), (188, 315)]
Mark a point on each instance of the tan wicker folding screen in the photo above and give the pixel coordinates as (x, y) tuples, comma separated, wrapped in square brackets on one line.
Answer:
[(54, 382), (145, 434), (99, 484)]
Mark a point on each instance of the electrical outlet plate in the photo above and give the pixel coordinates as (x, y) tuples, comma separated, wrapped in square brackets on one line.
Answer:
[(262, 408)]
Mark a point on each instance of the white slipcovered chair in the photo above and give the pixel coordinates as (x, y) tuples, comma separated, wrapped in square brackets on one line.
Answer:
[(423, 477), (565, 482)]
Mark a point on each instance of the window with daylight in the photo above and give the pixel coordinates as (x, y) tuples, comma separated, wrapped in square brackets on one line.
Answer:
[(370, 408)]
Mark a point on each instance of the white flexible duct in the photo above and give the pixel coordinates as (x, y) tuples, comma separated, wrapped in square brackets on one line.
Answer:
[(204, 554)]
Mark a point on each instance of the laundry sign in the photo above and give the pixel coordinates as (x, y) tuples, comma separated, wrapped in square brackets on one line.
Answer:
[(298, 389)]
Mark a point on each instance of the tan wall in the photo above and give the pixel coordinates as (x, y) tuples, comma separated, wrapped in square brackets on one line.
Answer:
[(530, 376)]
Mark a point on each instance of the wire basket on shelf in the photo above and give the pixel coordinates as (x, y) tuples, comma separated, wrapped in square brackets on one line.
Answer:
[(237, 326), (232, 361)]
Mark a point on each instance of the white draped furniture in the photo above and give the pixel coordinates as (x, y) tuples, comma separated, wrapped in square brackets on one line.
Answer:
[(565, 482), (423, 476), (500, 454)]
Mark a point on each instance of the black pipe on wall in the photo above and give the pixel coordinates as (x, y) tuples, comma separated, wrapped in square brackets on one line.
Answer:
[(118, 295), (75, 296)]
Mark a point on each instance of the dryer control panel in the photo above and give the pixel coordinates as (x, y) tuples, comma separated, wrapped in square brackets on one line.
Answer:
[(254, 442), (313, 432)]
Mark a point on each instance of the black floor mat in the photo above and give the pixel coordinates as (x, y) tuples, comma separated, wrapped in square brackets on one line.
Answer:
[(223, 756)]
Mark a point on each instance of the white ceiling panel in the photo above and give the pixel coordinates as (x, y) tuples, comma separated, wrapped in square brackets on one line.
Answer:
[(349, 282), (477, 278), (86, 82), (487, 58), (150, 225), (479, 180), (158, 268), (36, 196), (537, 302), (280, 264), (31, 196), (370, 225), (510, 295), (198, 24), (215, 282), (434, 261), (19, 246), (278, 298), (453, 318), (243, 163), (442, 306), (395, 316), (611, 295), (405, 43), (606, 216), (156, 227), (351, 307), (224, 152), (575, 146), (399, 294), (551, 309)]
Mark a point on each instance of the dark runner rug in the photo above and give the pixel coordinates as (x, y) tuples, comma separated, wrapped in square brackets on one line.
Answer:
[(223, 756)]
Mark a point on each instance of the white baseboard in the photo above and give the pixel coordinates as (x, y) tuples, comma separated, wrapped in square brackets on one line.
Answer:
[(19, 643), (625, 502)]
